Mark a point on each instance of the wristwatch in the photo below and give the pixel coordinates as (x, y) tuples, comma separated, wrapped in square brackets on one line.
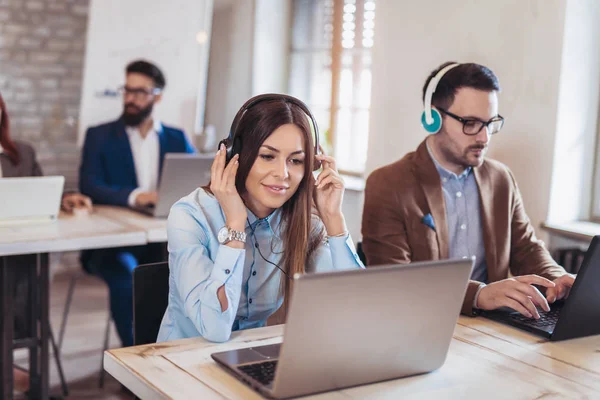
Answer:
[(226, 235)]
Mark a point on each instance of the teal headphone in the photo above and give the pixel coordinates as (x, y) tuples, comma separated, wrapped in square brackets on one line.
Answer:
[(431, 119)]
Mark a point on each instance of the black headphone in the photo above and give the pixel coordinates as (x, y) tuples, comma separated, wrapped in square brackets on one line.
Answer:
[(233, 143)]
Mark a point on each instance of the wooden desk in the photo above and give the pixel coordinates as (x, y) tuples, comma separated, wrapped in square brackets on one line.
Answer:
[(155, 228), (71, 233), (486, 360)]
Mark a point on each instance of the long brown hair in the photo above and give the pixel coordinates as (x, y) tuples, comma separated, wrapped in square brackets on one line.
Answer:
[(5, 141), (300, 230)]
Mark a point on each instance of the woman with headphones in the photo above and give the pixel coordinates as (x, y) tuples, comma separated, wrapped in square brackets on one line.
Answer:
[(235, 244)]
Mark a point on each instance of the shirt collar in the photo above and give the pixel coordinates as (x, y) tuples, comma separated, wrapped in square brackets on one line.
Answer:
[(133, 130), (444, 173), (272, 220)]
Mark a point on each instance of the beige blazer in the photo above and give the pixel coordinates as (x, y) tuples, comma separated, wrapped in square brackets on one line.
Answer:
[(399, 195)]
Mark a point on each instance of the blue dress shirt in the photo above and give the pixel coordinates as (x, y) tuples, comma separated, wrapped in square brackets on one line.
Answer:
[(465, 232), (199, 265)]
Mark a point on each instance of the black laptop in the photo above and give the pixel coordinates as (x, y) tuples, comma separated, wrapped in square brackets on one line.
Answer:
[(576, 316)]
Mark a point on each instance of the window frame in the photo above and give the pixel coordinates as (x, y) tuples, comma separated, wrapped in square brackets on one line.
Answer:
[(337, 51)]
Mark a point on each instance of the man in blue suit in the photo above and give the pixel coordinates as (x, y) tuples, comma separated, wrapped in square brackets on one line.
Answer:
[(121, 164)]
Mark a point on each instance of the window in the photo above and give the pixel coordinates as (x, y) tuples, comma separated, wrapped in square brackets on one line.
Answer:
[(331, 71)]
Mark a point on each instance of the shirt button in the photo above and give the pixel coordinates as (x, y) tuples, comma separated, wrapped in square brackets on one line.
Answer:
[(227, 271), (465, 257), (250, 301), (458, 194), (444, 179), (253, 273), (463, 227)]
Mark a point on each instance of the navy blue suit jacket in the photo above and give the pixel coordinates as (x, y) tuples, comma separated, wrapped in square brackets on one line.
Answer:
[(107, 172)]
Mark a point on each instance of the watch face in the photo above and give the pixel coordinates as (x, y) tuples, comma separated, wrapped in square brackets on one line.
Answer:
[(223, 235)]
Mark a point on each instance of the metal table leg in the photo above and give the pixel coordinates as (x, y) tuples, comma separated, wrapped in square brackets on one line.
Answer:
[(34, 376), (6, 331), (61, 373), (39, 335), (38, 355), (43, 266)]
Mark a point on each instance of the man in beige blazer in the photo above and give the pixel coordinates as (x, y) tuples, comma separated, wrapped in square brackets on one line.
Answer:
[(445, 200)]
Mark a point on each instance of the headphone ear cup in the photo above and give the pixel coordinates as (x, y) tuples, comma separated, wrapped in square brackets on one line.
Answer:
[(228, 149), (236, 147), (316, 165), (436, 125)]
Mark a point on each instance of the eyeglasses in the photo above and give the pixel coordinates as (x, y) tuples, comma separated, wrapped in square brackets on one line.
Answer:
[(472, 126), (139, 93)]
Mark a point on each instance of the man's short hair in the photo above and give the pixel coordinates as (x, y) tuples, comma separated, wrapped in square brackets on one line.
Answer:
[(148, 69), (469, 75)]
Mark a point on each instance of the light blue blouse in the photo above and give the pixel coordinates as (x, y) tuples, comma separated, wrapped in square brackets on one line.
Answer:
[(199, 265)]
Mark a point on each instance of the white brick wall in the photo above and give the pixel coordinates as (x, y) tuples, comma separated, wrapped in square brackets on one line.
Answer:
[(42, 46)]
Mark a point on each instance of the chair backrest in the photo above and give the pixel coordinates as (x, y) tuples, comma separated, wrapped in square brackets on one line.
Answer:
[(150, 299), (361, 253)]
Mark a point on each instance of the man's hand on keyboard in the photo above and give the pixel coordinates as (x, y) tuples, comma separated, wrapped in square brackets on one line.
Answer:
[(561, 289), (517, 293)]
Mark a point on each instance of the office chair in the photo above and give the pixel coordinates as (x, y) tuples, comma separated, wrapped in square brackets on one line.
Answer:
[(150, 300), (360, 253)]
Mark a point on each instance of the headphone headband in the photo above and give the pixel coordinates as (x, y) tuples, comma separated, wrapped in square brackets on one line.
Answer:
[(431, 90), (234, 145)]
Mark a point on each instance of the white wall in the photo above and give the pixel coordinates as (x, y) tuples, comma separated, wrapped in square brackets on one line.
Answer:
[(520, 40), (162, 32), (230, 66), (271, 46), (219, 70), (239, 82), (249, 55)]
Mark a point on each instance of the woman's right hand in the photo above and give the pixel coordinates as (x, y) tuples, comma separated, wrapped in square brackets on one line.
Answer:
[(222, 184)]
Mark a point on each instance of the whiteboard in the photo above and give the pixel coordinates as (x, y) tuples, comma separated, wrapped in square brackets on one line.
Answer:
[(165, 33)]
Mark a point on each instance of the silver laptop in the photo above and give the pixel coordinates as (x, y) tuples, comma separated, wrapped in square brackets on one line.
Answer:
[(356, 327), (181, 174), (30, 200)]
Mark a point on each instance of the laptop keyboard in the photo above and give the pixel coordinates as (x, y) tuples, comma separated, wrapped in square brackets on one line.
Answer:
[(264, 372), (549, 318)]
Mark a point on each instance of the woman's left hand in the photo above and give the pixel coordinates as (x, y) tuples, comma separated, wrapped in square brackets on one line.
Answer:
[(329, 194)]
